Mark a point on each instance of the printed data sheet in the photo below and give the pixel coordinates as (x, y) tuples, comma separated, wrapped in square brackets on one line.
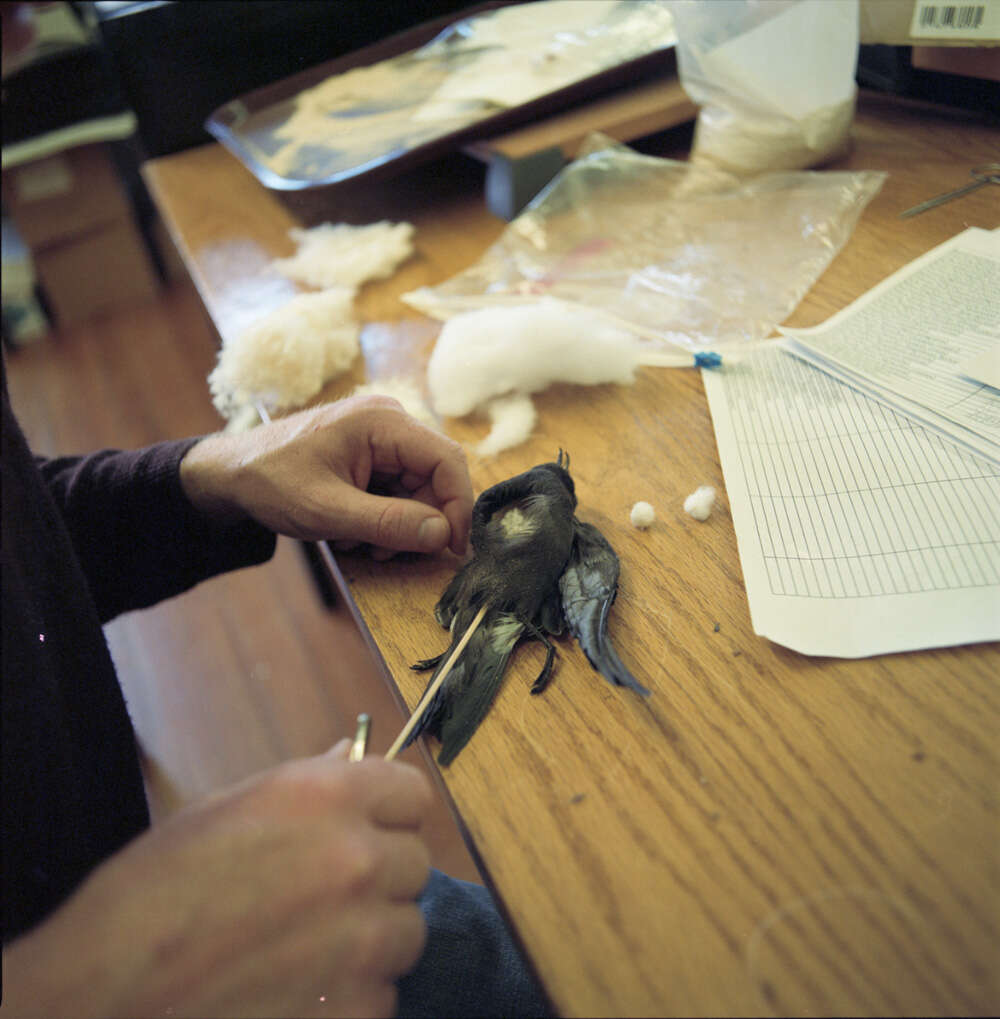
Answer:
[(913, 340), (860, 531)]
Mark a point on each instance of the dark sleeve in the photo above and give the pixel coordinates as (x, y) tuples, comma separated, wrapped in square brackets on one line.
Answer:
[(138, 537)]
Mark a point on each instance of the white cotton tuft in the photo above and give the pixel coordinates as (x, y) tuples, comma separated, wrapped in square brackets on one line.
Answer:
[(407, 392), (242, 419), (340, 255), (489, 352), (642, 515), (700, 502), (512, 418), (285, 358)]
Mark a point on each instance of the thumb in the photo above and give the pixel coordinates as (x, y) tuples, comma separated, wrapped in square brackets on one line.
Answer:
[(340, 750), (404, 525)]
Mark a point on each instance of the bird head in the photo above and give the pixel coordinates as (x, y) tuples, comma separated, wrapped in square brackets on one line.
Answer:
[(553, 477)]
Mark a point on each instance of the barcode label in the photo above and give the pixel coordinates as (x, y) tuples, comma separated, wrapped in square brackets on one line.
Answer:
[(973, 21)]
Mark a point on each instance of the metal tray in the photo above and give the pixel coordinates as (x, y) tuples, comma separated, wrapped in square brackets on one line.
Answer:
[(420, 59)]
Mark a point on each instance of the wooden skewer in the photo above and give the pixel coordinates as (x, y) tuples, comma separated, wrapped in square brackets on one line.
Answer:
[(435, 686)]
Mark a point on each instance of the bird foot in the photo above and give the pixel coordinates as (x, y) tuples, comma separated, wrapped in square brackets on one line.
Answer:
[(545, 676)]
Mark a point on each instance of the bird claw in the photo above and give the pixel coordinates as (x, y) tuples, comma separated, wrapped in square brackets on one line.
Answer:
[(426, 663), (545, 676)]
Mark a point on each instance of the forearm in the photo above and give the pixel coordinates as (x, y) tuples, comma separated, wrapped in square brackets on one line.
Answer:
[(137, 534), (208, 474)]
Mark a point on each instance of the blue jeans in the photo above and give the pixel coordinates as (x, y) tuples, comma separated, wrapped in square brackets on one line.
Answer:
[(471, 966)]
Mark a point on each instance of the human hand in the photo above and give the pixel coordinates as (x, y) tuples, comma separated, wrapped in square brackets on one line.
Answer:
[(291, 894), (359, 470)]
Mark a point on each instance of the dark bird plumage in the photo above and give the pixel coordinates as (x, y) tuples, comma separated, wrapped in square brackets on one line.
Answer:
[(532, 559), (587, 588)]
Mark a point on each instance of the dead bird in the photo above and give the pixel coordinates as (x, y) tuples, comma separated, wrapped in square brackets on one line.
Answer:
[(532, 559), (522, 533)]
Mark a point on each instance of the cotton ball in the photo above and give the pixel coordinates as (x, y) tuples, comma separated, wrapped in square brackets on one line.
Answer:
[(285, 357), (700, 502), (524, 348), (340, 255), (512, 419), (642, 515)]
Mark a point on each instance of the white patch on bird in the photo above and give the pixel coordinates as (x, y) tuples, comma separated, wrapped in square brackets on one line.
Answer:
[(516, 524), (504, 631)]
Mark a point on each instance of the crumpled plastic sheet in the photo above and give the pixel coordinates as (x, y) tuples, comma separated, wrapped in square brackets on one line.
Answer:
[(681, 253)]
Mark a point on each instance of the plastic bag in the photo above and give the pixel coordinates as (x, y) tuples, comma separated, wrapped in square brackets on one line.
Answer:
[(685, 254), (774, 79)]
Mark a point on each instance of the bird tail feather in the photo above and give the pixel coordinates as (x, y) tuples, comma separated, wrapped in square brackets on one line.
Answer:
[(464, 698)]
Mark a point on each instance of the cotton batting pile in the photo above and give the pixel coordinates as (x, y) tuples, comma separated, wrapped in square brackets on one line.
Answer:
[(339, 255), (491, 359), (285, 358)]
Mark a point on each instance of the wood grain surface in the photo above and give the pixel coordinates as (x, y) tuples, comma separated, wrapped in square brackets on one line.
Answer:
[(768, 833)]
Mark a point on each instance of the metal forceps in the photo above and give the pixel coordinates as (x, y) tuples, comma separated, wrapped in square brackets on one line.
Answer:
[(988, 173)]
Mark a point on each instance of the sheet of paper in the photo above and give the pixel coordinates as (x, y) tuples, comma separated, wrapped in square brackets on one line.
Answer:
[(860, 532), (906, 341), (984, 367)]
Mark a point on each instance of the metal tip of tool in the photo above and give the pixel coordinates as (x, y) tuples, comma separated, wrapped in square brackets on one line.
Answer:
[(360, 744)]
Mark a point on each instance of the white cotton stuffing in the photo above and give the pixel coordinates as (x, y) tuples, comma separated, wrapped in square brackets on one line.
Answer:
[(700, 502), (512, 419), (524, 348), (284, 358), (340, 255), (242, 419), (642, 515)]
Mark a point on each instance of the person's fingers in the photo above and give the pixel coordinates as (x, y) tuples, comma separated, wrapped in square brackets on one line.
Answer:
[(425, 460), (459, 518), (389, 940), (395, 795), (407, 864), (340, 749), (403, 525)]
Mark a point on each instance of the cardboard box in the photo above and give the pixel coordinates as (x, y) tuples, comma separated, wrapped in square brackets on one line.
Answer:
[(930, 22), (91, 273), (64, 195), (968, 61), (72, 212)]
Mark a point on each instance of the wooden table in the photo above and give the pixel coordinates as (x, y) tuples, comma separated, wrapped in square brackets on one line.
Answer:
[(767, 833)]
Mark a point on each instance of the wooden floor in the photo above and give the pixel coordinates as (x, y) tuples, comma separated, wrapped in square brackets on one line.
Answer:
[(248, 669)]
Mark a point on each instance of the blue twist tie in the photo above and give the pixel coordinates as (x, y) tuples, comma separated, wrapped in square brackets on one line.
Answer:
[(707, 359)]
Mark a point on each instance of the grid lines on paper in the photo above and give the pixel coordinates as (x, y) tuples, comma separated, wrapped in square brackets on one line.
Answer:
[(851, 499)]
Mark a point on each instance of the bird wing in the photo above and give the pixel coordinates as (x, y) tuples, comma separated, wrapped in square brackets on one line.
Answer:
[(588, 587), (464, 698), (449, 602)]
